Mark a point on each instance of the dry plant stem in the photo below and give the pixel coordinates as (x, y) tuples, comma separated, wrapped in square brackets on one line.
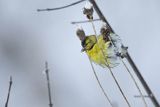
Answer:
[(108, 99), (143, 99), (48, 84), (132, 77), (119, 87), (85, 21), (128, 57), (138, 96), (125, 98), (59, 8), (9, 91)]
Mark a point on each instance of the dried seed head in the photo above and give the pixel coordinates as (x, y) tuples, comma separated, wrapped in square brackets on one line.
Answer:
[(88, 10), (104, 29), (81, 34)]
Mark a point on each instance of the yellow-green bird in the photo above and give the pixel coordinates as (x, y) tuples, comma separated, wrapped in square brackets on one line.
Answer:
[(99, 50)]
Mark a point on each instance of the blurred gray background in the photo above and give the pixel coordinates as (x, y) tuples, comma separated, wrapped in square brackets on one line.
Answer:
[(28, 38)]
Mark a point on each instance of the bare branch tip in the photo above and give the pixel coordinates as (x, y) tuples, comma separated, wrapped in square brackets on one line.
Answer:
[(11, 79), (38, 10), (46, 65)]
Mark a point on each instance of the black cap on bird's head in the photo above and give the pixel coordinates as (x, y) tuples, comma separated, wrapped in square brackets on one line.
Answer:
[(81, 34)]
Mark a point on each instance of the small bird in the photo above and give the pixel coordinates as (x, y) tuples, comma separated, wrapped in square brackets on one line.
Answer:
[(98, 49)]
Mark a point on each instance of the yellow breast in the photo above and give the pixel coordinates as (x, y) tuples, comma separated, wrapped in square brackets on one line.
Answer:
[(98, 53)]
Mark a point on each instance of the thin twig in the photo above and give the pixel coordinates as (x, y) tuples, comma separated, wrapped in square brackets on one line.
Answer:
[(9, 91), (48, 84), (58, 8), (120, 89), (141, 94), (99, 83), (85, 21)]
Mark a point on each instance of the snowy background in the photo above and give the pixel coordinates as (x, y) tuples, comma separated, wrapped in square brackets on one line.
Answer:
[(28, 38)]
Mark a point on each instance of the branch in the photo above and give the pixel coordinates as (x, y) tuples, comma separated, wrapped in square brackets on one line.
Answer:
[(139, 96), (48, 84), (85, 21), (58, 8), (9, 90)]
